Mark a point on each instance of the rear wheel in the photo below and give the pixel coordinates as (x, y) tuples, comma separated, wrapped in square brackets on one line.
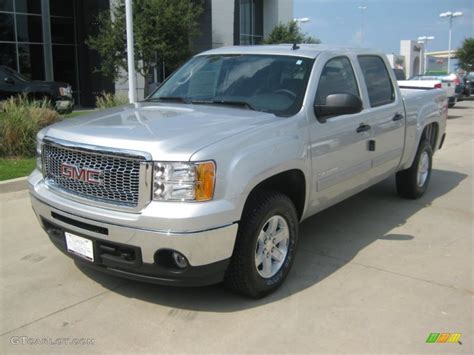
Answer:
[(265, 245), (413, 182)]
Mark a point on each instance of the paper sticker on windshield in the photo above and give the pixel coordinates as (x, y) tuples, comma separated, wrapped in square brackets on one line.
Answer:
[(299, 61)]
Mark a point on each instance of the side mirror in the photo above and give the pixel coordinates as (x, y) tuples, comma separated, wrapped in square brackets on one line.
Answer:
[(336, 105), (9, 81)]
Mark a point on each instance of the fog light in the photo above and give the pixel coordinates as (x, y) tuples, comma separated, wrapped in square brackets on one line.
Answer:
[(179, 260)]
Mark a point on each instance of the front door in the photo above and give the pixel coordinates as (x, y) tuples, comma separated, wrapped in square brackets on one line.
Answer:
[(340, 159)]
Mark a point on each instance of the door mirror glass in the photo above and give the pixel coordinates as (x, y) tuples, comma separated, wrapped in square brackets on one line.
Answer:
[(336, 105)]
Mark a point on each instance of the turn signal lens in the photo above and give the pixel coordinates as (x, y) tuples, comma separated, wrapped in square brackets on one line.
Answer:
[(206, 175)]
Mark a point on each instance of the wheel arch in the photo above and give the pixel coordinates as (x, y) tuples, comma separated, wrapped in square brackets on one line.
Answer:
[(291, 183)]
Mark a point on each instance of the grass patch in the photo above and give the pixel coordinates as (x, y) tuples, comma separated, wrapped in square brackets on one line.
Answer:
[(20, 120), (107, 100), (11, 168)]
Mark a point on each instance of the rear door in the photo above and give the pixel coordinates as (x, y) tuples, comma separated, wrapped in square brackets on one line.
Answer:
[(386, 115)]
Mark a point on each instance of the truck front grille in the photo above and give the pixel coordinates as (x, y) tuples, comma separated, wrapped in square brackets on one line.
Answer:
[(119, 177)]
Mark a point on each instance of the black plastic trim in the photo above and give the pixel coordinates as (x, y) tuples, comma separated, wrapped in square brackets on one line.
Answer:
[(442, 141), (79, 224), (135, 269)]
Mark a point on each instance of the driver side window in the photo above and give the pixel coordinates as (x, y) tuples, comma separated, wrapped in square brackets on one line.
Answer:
[(337, 77)]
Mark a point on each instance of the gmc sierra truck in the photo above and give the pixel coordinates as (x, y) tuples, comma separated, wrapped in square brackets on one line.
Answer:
[(208, 178)]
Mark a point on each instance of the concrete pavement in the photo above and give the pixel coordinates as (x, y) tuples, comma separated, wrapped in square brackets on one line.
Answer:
[(375, 273)]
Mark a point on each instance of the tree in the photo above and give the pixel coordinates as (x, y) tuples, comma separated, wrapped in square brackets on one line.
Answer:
[(465, 54), (162, 33), (289, 33)]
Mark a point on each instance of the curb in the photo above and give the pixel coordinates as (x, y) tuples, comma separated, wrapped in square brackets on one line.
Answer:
[(13, 185)]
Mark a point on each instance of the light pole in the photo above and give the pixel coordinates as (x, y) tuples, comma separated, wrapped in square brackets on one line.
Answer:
[(425, 40), (362, 9), (132, 83), (450, 15)]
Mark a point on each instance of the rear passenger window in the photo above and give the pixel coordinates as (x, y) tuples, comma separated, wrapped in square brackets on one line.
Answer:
[(337, 77), (378, 82)]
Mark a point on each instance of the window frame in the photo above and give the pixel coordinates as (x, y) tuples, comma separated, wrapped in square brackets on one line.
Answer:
[(394, 95), (356, 79)]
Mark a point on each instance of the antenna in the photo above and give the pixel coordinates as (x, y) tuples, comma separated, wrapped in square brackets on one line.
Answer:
[(295, 46)]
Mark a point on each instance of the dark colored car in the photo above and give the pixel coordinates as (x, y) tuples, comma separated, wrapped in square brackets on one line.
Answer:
[(468, 84), (13, 83)]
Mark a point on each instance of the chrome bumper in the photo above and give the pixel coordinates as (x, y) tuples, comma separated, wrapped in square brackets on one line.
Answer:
[(200, 247)]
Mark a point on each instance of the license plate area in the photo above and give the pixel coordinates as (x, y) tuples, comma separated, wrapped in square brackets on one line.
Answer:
[(79, 246)]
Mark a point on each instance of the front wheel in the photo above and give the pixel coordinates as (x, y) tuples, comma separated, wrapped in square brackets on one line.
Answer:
[(413, 182), (265, 246)]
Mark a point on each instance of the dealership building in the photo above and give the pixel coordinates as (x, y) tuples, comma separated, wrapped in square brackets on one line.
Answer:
[(45, 39)]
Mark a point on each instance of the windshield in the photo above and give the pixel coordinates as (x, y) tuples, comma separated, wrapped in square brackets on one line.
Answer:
[(267, 83)]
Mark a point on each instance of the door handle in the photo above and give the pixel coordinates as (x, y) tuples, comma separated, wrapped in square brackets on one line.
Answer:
[(397, 117), (363, 128)]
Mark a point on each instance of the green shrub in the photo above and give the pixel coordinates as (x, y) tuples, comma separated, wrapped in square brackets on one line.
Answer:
[(107, 100), (20, 121)]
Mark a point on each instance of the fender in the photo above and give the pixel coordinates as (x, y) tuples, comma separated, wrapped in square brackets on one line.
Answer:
[(256, 156), (417, 121)]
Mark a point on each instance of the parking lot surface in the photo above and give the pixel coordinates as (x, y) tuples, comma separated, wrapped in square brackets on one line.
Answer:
[(375, 273)]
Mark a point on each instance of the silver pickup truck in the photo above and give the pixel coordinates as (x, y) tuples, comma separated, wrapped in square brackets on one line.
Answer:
[(208, 178)]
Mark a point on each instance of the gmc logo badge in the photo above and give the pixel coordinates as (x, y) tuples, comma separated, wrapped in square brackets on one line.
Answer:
[(91, 176)]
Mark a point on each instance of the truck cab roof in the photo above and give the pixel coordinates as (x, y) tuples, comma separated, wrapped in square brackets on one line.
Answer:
[(304, 50)]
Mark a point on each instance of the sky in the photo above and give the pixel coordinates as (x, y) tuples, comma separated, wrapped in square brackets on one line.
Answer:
[(385, 22)]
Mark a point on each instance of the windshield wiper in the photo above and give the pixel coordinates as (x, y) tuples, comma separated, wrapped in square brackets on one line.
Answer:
[(170, 98), (245, 104)]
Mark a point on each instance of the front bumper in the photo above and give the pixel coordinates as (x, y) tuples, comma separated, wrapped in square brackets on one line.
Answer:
[(207, 251), (64, 104)]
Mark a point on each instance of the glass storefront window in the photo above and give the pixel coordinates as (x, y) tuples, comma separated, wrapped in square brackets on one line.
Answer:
[(31, 61), (251, 21), (6, 5), (28, 6), (7, 27), (8, 55), (62, 30), (29, 28), (64, 64), (61, 8)]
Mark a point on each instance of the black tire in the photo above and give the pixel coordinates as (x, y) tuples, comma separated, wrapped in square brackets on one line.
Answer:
[(407, 180), (242, 275)]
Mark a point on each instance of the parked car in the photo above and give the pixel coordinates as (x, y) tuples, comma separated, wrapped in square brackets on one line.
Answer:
[(209, 178), (459, 85), (469, 79), (468, 85), (13, 83), (432, 82)]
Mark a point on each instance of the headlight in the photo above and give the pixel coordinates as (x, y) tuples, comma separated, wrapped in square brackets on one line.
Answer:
[(175, 181), (65, 91), (39, 150)]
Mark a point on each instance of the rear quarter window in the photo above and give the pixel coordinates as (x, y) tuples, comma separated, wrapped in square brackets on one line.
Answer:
[(378, 82)]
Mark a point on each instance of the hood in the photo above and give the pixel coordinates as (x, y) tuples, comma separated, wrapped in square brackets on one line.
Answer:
[(166, 131)]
